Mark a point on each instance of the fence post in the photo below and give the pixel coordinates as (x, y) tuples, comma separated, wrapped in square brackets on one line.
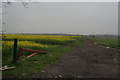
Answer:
[(15, 51), (93, 36)]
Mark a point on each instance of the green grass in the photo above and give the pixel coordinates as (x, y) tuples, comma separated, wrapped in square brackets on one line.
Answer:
[(39, 62), (111, 42)]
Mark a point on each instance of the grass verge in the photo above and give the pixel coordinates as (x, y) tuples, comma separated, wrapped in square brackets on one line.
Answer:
[(111, 42)]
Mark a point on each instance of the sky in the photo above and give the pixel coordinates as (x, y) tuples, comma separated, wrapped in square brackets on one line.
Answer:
[(62, 17)]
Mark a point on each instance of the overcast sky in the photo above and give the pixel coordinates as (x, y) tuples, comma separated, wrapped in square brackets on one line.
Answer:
[(62, 17)]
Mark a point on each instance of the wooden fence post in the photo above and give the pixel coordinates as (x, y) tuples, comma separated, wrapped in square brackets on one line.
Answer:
[(15, 51)]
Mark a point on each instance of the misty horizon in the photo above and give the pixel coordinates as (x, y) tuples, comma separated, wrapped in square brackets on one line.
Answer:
[(62, 17)]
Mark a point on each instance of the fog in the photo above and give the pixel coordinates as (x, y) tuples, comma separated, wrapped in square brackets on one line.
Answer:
[(62, 17)]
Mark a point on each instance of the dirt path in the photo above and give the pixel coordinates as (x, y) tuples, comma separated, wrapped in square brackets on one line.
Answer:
[(88, 61)]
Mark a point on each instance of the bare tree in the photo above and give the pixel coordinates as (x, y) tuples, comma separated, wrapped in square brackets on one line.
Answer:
[(6, 4)]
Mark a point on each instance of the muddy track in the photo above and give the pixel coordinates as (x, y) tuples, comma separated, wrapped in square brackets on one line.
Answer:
[(88, 61)]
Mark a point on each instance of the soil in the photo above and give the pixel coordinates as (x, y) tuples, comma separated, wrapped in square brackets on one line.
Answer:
[(88, 61)]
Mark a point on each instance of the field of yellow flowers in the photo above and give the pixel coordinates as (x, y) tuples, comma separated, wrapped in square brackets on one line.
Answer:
[(54, 44)]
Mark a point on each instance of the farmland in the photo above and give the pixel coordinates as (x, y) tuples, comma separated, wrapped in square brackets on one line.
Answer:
[(55, 45), (67, 56), (110, 42)]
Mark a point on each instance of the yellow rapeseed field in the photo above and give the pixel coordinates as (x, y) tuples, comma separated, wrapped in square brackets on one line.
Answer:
[(24, 43), (38, 41), (48, 37)]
